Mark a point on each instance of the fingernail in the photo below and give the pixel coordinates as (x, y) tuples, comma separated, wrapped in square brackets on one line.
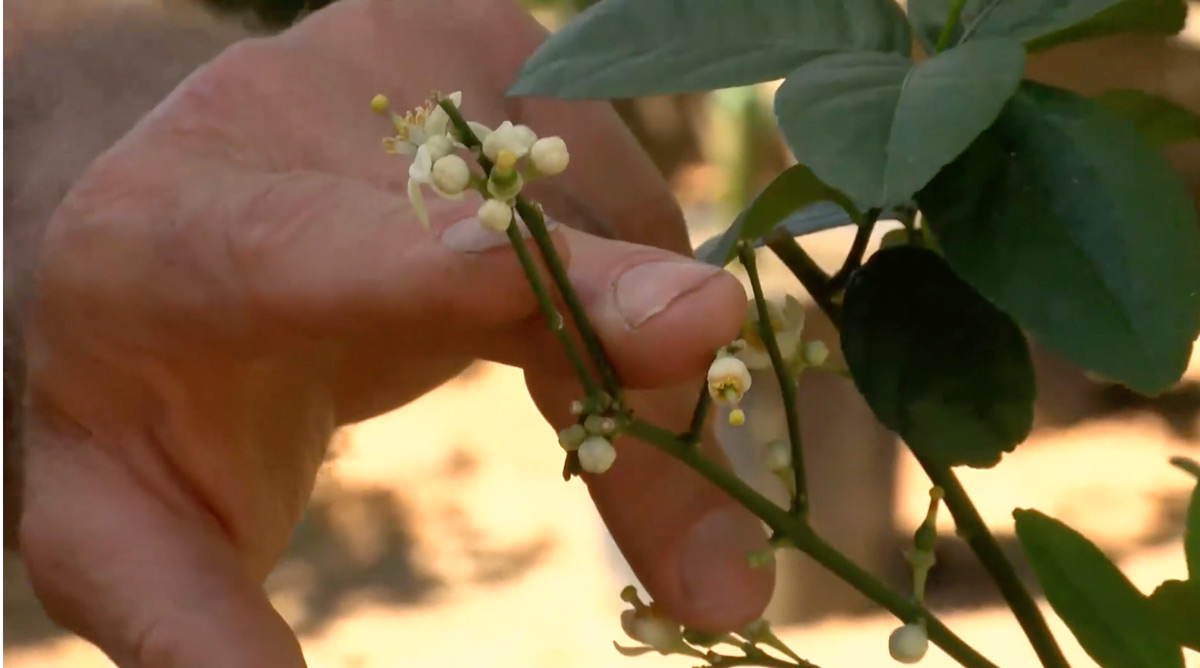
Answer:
[(718, 583), (646, 290), (469, 236)]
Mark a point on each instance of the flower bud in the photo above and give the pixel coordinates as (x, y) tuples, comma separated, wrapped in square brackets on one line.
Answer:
[(495, 215), (816, 353), (451, 175), (572, 437), (908, 643), (777, 456), (549, 155), (646, 626), (596, 454), (598, 424)]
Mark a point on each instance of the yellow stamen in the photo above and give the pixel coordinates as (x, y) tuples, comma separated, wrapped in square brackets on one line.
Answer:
[(505, 160), (379, 104)]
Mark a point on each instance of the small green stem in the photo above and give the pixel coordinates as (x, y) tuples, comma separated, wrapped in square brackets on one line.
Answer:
[(973, 530), (787, 387), (760, 658), (695, 432), (535, 222), (554, 319), (801, 535), (857, 249), (806, 270), (952, 16)]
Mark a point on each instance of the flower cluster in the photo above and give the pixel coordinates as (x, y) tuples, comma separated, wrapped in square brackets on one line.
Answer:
[(514, 153), (787, 324), (647, 625), (590, 440)]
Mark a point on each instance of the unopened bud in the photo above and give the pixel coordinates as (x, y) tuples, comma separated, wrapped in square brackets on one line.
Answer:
[(596, 454), (549, 155), (777, 456), (572, 437), (816, 353), (909, 643), (451, 175), (598, 424), (495, 215)]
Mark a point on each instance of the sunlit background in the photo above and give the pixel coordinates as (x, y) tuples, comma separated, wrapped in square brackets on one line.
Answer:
[(438, 540)]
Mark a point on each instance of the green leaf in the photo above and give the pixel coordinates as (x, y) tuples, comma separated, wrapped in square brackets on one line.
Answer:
[(878, 128), (1042, 24), (938, 364), (1111, 619), (1062, 216), (1178, 606), (1159, 120), (1152, 17), (794, 189), (630, 48)]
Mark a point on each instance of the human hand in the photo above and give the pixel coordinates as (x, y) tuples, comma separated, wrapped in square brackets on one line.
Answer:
[(241, 275)]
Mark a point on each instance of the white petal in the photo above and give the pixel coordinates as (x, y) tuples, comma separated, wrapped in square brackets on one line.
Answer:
[(437, 122), (793, 314), (481, 131), (439, 146), (455, 98), (421, 169), (417, 200)]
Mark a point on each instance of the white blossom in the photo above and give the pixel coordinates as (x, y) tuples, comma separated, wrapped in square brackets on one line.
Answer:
[(728, 380), (654, 630), (786, 322), (420, 173), (517, 139)]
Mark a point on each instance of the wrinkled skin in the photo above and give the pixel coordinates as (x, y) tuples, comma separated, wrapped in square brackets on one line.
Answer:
[(240, 275)]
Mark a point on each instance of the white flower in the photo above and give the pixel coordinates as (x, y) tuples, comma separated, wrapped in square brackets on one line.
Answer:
[(420, 172), (787, 322), (549, 155), (596, 454), (495, 215), (416, 127), (908, 643), (515, 138), (656, 631), (728, 380)]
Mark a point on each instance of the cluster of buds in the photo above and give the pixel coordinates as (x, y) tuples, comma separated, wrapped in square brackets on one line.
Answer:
[(909, 643), (787, 323), (590, 440), (515, 153)]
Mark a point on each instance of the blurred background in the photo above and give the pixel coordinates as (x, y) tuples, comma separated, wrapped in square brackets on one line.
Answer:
[(434, 540)]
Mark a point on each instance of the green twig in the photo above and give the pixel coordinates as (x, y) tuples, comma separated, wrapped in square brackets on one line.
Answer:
[(972, 529), (554, 319), (787, 387), (857, 249), (535, 222), (806, 270), (952, 16), (695, 432), (801, 535)]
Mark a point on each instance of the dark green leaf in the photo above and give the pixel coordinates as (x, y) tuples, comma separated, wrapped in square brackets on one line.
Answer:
[(630, 48), (1111, 619), (1042, 24), (937, 363), (1153, 17), (1062, 216), (1159, 120), (794, 189), (878, 128), (1178, 606)]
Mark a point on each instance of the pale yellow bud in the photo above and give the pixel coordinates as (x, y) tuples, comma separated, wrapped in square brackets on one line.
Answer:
[(451, 175), (549, 155), (597, 454), (495, 215), (909, 643)]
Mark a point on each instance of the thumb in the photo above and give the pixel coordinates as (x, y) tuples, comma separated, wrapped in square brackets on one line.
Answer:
[(148, 576)]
